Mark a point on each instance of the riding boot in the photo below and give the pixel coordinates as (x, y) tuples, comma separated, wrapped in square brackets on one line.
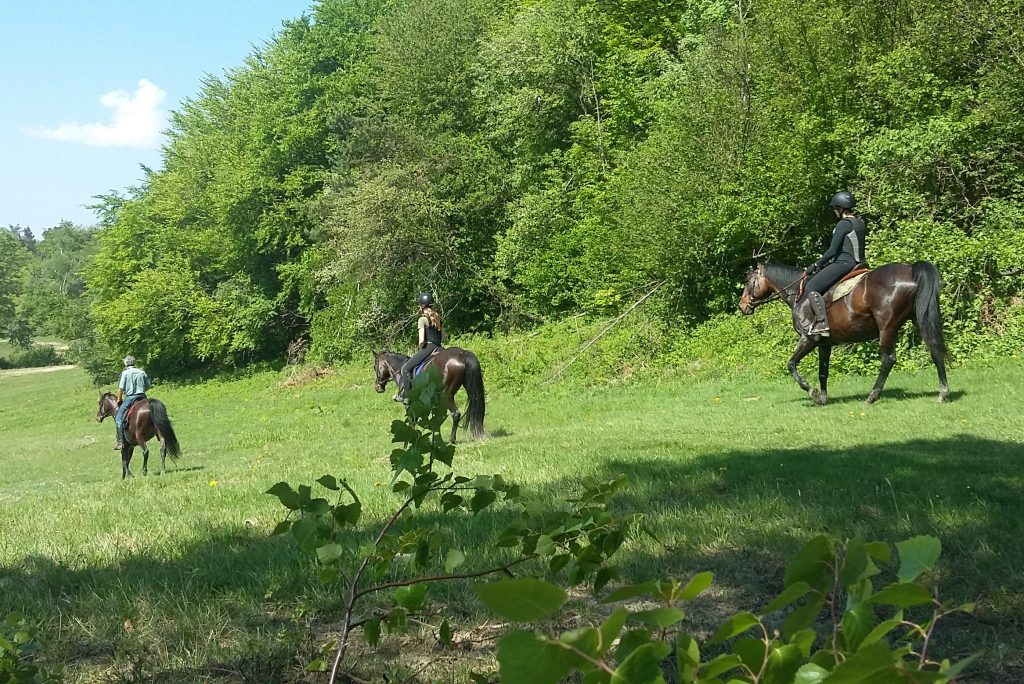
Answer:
[(820, 326), (803, 316), (120, 439)]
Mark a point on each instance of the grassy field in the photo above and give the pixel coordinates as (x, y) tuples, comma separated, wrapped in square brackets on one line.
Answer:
[(175, 579)]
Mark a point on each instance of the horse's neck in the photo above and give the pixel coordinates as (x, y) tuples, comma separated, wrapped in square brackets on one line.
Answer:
[(786, 280)]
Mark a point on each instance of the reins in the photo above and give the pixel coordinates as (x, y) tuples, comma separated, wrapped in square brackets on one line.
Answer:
[(776, 293)]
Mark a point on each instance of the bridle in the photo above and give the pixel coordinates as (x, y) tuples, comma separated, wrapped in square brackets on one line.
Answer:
[(392, 373), (776, 293)]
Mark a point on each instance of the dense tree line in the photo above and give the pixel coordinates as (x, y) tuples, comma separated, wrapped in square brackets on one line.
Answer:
[(528, 159), (42, 289)]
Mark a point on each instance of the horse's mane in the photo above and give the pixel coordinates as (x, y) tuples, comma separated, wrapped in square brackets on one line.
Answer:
[(783, 275), (393, 354)]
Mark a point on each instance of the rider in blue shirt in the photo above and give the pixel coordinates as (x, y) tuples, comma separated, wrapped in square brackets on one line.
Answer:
[(130, 388)]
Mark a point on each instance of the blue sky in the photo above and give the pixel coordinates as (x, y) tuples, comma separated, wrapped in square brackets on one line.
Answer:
[(59, 143)]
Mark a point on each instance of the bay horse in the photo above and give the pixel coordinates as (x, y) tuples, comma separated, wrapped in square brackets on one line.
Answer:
[(876, 309), (458, 368), (146, 419)]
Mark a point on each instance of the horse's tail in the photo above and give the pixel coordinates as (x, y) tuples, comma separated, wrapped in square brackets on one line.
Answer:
[(475, 389), (926, 306), (158, 412)]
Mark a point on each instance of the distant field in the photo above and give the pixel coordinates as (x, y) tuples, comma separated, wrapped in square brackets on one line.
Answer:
[(174, 578)]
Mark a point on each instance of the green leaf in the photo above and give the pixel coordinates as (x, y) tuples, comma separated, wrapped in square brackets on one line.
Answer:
[(643, 666), (397, 621), (289, 497), (604, 576), (527, 658), (803, 617), (723, 663), (737, 624), (952, 671), (783, 663), (662, 617), (611, 627), (903, 595), (871, 665), (857, 564), (810, 564), (752, 651), (412, 598), (630, 641), (371, 630), (545, 546), (329, 482), (687, 658), (282, 527), (804, 640), (810, 674), (789, 594), (453, 560), (917, 555), (880, 551), (631, 591), (882, 630), (586, 640), (696, 586), (525, 599), (857, 624), (444, 634), (330, 552), (482, 499)]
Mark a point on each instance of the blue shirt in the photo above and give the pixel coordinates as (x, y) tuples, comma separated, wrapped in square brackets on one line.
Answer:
[(134, 381)]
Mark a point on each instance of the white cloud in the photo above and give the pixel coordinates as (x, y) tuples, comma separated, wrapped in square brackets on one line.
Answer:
[(137, 120)]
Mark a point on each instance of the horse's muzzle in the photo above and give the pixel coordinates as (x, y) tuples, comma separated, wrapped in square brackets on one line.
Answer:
[(379, 388)]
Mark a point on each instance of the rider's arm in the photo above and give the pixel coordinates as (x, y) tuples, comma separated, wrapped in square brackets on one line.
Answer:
[(423, 337), (842, 228), (120, 387)]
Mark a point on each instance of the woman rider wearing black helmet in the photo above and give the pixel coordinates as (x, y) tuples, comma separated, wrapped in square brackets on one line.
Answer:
[(429, 326), (845, 252)]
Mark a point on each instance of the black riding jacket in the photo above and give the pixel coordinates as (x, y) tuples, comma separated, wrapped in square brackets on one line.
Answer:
[(847, 243)]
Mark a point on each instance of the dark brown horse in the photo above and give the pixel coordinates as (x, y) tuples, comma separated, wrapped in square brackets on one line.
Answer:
[(875, 310), (458, 368), (147, 419)]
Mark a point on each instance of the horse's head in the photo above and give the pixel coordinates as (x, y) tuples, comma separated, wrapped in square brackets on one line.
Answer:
[(382, 367), (756, 290), (108, 406)]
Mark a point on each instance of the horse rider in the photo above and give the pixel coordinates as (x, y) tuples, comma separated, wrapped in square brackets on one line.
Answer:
[(841, 257), (130, 388), (429, 327)]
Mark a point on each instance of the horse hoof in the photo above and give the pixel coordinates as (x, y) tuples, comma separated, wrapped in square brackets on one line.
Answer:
[(816, 397)]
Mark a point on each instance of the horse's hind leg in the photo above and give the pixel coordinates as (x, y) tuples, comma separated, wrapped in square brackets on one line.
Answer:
[(145, 460), (163, 456), (456, 416), (126, 458), (887, 341), (940, 366)]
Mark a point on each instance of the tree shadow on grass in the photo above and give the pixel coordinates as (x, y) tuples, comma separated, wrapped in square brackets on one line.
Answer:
[(740, 514)]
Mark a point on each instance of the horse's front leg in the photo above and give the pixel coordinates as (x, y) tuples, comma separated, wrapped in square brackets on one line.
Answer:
[(803, 348), (824, 355)]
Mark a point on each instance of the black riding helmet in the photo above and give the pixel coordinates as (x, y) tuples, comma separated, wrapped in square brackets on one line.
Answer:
[(425, 299), (843, 200)]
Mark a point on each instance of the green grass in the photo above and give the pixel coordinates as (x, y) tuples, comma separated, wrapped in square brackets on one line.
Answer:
[(175, 578)]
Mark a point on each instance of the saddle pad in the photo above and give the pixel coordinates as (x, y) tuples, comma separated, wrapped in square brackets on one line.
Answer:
[(419, 369), (846, 286)]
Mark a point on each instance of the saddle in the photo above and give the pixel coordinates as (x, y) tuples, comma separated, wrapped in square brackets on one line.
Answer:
[(419, 369), (845, 285)]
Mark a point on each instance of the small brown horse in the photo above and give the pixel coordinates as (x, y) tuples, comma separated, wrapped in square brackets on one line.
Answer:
[(147, 419), (458, 368), (875, 310)]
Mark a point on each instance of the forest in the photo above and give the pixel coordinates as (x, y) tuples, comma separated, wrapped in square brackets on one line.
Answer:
[(532, 160)]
